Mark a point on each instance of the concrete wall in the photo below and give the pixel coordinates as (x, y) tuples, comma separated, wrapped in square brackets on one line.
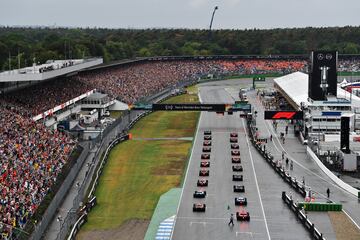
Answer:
[(337, 180)]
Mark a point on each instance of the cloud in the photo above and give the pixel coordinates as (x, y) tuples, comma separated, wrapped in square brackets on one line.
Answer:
[(197, 3)]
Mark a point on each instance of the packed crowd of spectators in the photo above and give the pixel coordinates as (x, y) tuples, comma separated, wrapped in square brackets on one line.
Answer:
[(32, 156), (132, 82)]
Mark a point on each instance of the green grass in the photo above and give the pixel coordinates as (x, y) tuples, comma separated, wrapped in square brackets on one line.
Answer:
[(134, 178), (139, 172)]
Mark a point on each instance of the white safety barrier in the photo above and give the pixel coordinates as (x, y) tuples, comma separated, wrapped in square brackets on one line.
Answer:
[(331, 175)]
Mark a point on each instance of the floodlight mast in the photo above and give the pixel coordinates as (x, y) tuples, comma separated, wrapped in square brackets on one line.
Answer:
[(212, 19)]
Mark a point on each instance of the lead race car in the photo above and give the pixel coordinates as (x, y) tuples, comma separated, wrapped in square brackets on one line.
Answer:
[(240, 201), (199, 207), (243, 215), (202, 183), (199, 194), (237, 177), (239, 188), (233, 134)]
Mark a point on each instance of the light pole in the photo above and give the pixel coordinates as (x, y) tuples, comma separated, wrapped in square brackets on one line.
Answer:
[(212, 19)]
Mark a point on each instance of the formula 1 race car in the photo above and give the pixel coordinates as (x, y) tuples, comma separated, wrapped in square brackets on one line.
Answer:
[(202, 183), (234, 146), (237, 177), (205, 156), (207, 137), (204, 172), (205, 164), (235, 160), (240, 201), (207, 143), (206, 149), (239, 188), (207, 132), (233, 134), (237, 168), (199, 194), (199, 207), (233, 140), (243, 215), (235, 153)]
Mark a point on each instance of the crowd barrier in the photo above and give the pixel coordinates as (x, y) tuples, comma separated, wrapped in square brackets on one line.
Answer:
[(296, 209)]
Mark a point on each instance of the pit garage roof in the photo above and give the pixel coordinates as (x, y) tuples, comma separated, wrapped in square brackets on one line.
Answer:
[(295, 86)]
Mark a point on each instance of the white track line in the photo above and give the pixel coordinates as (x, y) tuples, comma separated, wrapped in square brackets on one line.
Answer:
[(351, 219), (256, 182), (187, 169)]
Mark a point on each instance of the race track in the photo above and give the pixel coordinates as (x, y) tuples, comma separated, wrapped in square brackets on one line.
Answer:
[(270, 217)]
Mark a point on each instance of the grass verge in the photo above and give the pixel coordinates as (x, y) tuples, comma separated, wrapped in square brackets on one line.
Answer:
[(138, 172)]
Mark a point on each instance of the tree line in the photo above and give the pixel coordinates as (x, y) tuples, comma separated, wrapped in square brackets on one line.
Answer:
[(38, 44)]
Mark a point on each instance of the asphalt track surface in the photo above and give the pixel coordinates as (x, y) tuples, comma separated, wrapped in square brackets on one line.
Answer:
[(270, 217)]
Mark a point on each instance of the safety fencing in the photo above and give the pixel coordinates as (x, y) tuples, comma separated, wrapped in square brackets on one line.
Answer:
[(302, 216)]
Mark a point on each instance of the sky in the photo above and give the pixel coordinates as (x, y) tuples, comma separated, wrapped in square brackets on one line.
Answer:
[(232, 14)]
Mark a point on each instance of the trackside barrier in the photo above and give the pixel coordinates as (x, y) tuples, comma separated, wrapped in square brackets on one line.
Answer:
[(298, 186), (296, 209), (315, 206), (333, 177)]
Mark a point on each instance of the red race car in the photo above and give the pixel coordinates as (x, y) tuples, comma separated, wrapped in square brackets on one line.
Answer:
[(205, 164), (233, 134), (243, 215), (204, 173), (207, 143), (235, 160), (202, 183), (199, 207), (205, 156), (235, 153)]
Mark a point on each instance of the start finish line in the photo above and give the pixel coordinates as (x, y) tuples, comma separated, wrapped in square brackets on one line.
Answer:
[(193, 107)]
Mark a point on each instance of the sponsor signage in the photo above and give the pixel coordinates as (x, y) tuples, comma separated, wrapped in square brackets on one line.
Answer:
[(189, 107), (323, 74), (331, 113), (277, 115)]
